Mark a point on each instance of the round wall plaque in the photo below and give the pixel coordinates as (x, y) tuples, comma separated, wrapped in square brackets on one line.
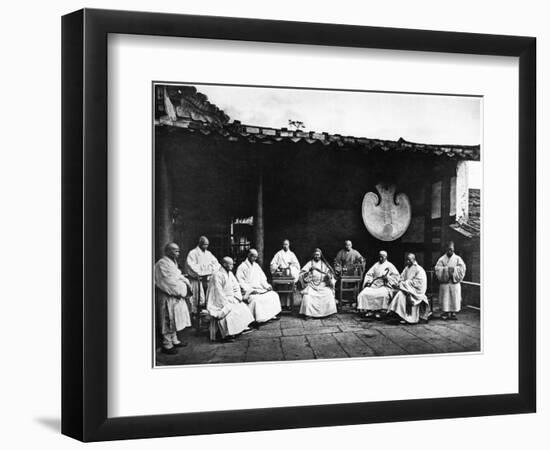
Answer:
[(386, 215)]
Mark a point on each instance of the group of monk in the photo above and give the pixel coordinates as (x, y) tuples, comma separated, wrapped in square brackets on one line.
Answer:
[(242, 301)]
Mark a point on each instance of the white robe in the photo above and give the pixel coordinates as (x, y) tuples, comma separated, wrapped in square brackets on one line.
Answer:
[(264, 305), (450, 272), (284, 259), (172, 288), (378, 295), (199, 264), (318, 296), (410, 301), (224, 303)]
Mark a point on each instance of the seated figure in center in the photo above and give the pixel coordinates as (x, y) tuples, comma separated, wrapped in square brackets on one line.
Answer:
[(262, 300), (378, 287), (317, 279), (285, 262)]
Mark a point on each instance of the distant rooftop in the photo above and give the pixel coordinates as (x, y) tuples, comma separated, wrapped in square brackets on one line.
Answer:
[(472, 226)]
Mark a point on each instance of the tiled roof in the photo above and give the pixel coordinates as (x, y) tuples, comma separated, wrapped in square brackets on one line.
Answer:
[(471, 227), (235, 131)]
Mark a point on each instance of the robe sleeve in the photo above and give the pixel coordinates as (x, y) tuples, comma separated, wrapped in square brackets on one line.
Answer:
[(306, 267), (263, 279), (216, 297), (236, 288), (419, 282), (459, 271), (169, 279), (415, 286), (393, 276), (369, 276), (193, 268), (214, 264), (294, 262), (358, 258), (330, 280), (441, 271), (243, 277), (274, 265), (338, 263)]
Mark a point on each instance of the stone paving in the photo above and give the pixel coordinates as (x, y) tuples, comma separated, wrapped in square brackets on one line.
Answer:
[(341, 336)]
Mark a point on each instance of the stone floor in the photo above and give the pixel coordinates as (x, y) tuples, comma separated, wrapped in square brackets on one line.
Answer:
[(341, 336)]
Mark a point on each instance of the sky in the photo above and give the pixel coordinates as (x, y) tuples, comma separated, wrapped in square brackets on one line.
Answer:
[(430, 119)]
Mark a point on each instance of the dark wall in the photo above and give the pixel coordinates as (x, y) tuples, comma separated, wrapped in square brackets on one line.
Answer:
[(312, 193), (313, 196), (210, 182)]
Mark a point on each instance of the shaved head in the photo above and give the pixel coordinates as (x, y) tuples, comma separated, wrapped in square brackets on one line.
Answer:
[(252, 255), (450, 248), (227, 263), (382, 255), (410, 259), (172, 250)]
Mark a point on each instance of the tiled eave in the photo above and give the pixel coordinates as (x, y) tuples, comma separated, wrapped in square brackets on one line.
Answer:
[(235, 132)]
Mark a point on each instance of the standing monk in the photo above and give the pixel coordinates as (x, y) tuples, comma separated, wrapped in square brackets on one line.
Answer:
[(199, 267), (171, 288), (263, 302), (450, 271), (410, 303), (225, 303), (378, 287), (318, 295)]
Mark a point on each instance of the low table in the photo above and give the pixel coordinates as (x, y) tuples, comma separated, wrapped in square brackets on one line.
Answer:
[(284, 286)]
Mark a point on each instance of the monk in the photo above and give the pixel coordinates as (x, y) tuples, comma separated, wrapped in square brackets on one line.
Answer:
[(378, 288), (450, 271), (347, 259), (286, 260), (262, 300), (199, 267), (318, 294), (410, 304), (224, 303), (171, 289)]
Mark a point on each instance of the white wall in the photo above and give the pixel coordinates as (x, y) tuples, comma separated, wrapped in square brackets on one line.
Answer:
[(30, 236)]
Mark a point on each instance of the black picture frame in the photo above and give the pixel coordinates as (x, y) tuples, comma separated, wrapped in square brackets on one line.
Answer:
[(84, 224)]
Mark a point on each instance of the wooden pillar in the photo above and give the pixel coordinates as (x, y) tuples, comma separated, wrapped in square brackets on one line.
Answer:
[(259, 222), (445, 209), (428, 245), (163, 205)]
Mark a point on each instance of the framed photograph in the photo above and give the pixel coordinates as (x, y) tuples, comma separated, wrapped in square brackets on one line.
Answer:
[(273, 225)]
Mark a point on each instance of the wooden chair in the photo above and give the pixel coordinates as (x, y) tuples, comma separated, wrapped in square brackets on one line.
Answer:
[(350, 281), (202, 315)]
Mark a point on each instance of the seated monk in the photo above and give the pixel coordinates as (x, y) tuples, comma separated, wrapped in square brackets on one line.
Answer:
[(285, 259), (262, 300), (224, 302), (410, 304), (318, 294), (378, 287)]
